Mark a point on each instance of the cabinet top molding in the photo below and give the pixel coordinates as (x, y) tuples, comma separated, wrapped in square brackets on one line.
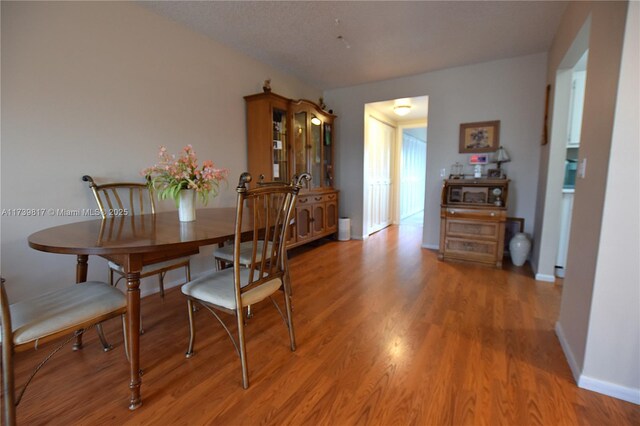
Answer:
[(288, 100)]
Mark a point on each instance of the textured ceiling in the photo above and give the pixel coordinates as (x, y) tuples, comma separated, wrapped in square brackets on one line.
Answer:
[(380, 40)]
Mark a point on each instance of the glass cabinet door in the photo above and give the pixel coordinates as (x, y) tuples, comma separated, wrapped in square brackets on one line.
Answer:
[(280, 151), (300, 142), (327, 160), (316, 151)]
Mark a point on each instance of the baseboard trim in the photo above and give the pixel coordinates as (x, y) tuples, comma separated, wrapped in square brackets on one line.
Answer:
[(595, 385), (546, 278), (610, 389), (568, 353), (541, 277), (431, 246)]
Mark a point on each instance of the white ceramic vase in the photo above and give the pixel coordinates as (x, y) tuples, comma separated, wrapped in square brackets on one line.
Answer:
[(519, 247), (187, 205)]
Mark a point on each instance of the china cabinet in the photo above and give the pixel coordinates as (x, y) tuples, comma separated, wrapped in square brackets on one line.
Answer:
[(472, 220), (286, 138)]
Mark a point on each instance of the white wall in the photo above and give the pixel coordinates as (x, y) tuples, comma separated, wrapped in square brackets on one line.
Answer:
[(606, 34), (612, 362), (510, 90), (95, 88), (598, 325)]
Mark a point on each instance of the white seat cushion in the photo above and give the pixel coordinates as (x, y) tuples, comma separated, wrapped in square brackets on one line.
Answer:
[(217, 288), (149, 269), (246, 249), (58, 310)]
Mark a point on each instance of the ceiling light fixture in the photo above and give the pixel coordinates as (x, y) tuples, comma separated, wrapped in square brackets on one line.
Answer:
[(402, 107), (402, 110)]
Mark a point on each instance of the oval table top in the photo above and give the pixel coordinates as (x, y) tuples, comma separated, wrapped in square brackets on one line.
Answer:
[(137, 234)]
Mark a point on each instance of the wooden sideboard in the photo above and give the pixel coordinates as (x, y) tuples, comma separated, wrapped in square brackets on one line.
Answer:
[(472, 220)]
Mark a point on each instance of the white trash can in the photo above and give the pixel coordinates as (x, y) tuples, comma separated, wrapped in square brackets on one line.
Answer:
[(344, 229)]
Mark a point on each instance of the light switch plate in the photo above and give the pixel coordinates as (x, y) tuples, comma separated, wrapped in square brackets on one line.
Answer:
[(582, 168)]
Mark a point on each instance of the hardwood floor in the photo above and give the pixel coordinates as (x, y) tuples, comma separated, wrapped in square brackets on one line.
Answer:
[(387, 335)]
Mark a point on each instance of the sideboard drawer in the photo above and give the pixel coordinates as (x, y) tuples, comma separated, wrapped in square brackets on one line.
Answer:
[(473, 229), (306, 199), (478, 250), (330, 197), (476, 214), (310, 198)]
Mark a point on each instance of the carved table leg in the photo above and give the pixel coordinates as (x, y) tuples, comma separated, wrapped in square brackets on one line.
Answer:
[(133, 331), (81, 276)]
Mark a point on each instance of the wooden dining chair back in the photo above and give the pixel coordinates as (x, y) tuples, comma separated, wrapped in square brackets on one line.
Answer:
[(33, 322), (263, 215), (122, 198), (132, 199), (223, 255)]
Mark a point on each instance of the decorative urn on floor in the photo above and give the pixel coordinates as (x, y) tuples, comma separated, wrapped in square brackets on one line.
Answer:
[(519, 247)]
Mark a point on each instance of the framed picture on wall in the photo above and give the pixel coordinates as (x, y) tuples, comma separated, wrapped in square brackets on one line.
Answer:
[(479, 137)]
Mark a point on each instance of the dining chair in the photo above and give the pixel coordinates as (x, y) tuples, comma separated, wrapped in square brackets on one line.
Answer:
[(269, 210), (126, 199), (223, 254), (30, 323)]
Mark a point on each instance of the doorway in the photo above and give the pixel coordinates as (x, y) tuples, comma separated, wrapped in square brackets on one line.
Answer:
[(394, 162), (547, 251), (578, 78)]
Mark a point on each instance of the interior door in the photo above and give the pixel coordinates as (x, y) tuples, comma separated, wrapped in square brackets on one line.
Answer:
[(379, 146)]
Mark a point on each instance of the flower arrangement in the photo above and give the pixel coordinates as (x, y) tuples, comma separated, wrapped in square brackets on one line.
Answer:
[(171, 175)]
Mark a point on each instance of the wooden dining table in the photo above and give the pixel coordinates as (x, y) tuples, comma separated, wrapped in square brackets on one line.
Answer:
[(133, 242)]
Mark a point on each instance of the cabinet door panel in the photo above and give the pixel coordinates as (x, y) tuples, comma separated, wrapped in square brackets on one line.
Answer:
[(303, 222), (327, 155), (331, 216), (280, 154), (318, 219), (315, 146), (300, 145)]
